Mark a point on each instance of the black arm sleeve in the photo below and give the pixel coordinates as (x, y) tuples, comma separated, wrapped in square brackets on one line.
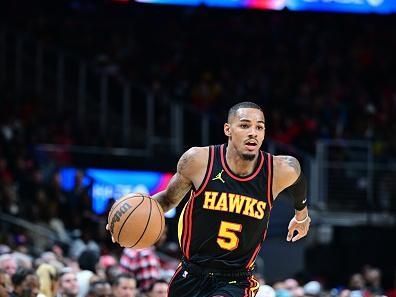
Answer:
[(298, 190)]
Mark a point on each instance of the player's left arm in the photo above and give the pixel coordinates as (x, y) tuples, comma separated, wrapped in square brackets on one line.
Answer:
[(288, 175)]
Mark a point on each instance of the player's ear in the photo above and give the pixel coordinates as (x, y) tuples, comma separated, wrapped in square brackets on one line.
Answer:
[(227, 131)]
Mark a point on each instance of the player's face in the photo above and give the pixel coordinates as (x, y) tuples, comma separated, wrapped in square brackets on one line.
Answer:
[(246, 131)]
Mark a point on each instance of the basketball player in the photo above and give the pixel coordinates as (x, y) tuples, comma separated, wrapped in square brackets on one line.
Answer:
[(224, 223)]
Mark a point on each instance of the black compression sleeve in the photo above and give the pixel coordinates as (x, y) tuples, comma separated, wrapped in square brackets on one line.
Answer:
[(298, 190)]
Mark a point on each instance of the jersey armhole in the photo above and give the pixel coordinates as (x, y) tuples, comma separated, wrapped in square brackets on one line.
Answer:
[(208, 172), (270, 170)]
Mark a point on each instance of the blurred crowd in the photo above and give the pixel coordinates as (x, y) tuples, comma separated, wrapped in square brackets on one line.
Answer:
[(142, 273), (90, 274), (317, 75)]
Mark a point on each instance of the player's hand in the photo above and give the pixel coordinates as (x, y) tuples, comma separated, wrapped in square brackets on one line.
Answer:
[(108, 229), (299, 226)]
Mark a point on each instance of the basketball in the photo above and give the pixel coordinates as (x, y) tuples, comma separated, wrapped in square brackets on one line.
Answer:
[(136, 221)]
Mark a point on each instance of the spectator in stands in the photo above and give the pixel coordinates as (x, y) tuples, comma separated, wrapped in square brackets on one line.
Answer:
[(8, 264), (4, 249), (356, 285), (48, 280), (265, 291), (345, 293), (278, 285), (290, 284), (67, 283), (5, 284), (165, 253), (312, 289), (298, 292), (51, 258), (145, 264), (87, 262), (282, 293), (372, 276), (106, 261), (100, 289), (26, 283), (124, 285), (23, 260), (158, 288), (112, 272)]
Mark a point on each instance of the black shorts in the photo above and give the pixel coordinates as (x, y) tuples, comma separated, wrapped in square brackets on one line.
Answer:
[(191, 283)]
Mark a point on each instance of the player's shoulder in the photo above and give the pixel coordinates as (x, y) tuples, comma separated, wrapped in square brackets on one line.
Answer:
[(287, 162), (196, 153), (287, 166), (194, 158)]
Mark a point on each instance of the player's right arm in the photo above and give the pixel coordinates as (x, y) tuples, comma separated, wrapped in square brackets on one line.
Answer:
[(190, 171)]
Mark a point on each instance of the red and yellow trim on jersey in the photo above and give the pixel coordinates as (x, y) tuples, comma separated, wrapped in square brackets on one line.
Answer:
[(185, 219), (256, 251), (181, 236), (179, 268), (270, 198), (232, 175), (254, 285)]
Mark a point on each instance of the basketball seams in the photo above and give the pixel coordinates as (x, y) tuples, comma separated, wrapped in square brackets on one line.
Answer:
[(118, 203), (113, 207), (145, 228), (126, 219), (159, 210)]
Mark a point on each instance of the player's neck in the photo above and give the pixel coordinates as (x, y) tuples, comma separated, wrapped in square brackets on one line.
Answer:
[(237, 164)]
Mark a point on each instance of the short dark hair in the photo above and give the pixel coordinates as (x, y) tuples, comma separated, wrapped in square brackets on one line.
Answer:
[(246, 104), (157, 281), (64, 270), (118, 277), (88, 260), (20, 275)]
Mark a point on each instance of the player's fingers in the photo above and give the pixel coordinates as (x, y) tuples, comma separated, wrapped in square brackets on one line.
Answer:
[(290, 233), (300, 234), (108, 229), (297, 237)]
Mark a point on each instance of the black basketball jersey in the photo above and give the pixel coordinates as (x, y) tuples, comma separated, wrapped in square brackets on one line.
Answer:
[(225, 221)]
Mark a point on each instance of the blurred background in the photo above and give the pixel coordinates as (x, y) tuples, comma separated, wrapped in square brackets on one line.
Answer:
[(101, 98)]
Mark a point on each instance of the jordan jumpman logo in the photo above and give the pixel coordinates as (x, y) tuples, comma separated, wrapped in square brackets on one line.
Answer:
[(218, 177)]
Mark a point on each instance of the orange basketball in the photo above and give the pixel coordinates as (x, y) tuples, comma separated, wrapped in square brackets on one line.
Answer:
[(136, 221)]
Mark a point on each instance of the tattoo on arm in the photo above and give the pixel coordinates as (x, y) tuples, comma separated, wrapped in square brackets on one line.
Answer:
[(293, 162), (177, 187), (182, 164)]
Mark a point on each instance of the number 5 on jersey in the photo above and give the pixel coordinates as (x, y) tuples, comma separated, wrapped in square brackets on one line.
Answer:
[(227, 238)]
